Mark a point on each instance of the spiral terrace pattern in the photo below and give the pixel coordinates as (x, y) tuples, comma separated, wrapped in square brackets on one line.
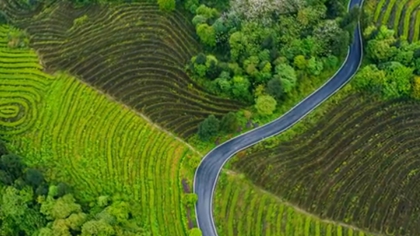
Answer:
[(20, 92), (83, 137), (133, 52), (360, 165), (401, 15)]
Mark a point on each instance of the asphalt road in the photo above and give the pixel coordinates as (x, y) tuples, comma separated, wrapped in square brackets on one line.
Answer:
[(207, 173)]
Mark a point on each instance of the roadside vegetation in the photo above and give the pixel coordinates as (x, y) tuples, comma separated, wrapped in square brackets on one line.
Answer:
[(354, 159)]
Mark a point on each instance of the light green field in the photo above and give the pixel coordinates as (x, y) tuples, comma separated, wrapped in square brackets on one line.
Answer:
[(82, 137)]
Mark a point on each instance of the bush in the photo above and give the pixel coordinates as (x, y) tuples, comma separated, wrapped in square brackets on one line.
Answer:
[(265, 105), (208, 128), (166, 5), (229, 122)]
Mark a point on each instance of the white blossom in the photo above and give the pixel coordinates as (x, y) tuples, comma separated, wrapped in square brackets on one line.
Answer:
[(263, 9)]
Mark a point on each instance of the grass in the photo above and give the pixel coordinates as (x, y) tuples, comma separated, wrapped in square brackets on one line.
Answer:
[(243, 209), (83, 137), (403, 16), (133, 52)]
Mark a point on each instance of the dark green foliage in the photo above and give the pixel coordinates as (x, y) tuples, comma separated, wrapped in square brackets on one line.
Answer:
[(208, 128), (335, 8), (213, 71), (63, 189), (5, 178), (274, 88), (34, 177), (12, 165), (200, 59), (229, 122), (3, 149)]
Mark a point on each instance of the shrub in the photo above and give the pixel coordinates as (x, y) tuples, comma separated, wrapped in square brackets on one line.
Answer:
[(265, 105), (166, 5), (208, 128)]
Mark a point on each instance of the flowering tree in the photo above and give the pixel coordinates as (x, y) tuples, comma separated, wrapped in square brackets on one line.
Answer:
[(263, 9)]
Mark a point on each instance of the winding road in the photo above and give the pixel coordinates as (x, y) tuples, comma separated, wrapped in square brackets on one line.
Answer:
[(208, 171)]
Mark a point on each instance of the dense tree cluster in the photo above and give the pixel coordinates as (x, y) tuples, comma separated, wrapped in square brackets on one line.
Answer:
[(259, 51), (32, 206), (248, 55), (394, 65)]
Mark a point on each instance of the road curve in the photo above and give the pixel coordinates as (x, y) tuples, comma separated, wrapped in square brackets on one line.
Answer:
[(208, 171)]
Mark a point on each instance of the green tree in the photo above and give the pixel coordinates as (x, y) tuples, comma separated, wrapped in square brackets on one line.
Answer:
[(265, 105), (315, 66), (96, 228), (166, 5), (12, 165), (237, 42), (275, 89), (369, 78), (34, 177), (398, 80), (59, 208), (287, 75), (229, 122), (300, 62), (208, 128), (241, 87), (207, 34), (209, 13)]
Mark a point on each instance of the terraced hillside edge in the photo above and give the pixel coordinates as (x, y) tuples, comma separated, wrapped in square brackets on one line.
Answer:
[(401, 15), (245, 210), (133, 52), (359, 165), (82, 137)]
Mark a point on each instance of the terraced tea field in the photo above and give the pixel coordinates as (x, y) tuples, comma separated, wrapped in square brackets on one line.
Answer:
[(401, 15), (360, 165), (83, 137), (133, 52), (243, 210)]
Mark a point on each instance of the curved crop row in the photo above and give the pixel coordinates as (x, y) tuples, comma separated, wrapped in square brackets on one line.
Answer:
[(359, 166), (401, 15), (20, 93), (133, 52), (240, 209), (83, 137)]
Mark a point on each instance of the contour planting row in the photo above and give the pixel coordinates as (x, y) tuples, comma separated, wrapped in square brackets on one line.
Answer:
[(135, 53), (358, 166), (62, 130), (128, 157), (22, 85), (16, 9), (241, 209), (401, 15)]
